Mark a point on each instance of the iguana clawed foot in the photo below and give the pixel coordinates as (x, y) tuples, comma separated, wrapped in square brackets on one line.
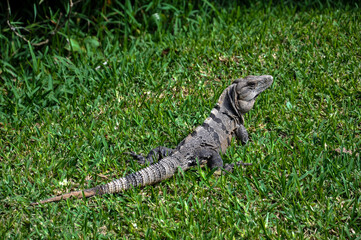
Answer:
[(228, 168), (138, 157)]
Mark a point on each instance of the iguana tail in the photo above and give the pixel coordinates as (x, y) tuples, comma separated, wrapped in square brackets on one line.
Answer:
[(150, 175), (77, 194)]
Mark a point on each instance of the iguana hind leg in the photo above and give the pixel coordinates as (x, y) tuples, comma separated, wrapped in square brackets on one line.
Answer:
[(155, 154), (214, 160)]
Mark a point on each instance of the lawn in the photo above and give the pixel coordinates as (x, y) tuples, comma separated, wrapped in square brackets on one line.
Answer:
[(130, 77)]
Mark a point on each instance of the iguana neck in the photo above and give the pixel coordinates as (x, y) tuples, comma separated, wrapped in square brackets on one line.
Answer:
[(226, 105)]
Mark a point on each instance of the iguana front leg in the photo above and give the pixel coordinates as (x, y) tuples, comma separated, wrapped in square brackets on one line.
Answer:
[(155, 154), (241, 134)]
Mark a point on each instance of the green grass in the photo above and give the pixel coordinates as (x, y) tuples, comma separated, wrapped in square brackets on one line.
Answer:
[(68, 113)]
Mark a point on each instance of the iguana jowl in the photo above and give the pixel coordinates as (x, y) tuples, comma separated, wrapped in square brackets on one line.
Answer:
[(202, 145)]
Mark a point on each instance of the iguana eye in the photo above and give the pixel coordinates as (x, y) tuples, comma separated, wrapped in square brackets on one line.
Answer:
[(252, 84)]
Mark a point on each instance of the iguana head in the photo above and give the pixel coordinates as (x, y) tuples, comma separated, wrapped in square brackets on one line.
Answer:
[(239, 97), (247, 89)]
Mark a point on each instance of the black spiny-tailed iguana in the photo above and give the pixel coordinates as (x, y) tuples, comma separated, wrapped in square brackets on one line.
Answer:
[(202, 145)]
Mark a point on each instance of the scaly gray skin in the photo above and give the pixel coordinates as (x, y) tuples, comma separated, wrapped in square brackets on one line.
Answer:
[(203, 145)]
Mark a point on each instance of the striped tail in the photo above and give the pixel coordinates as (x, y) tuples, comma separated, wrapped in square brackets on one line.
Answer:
[(152, 174)]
